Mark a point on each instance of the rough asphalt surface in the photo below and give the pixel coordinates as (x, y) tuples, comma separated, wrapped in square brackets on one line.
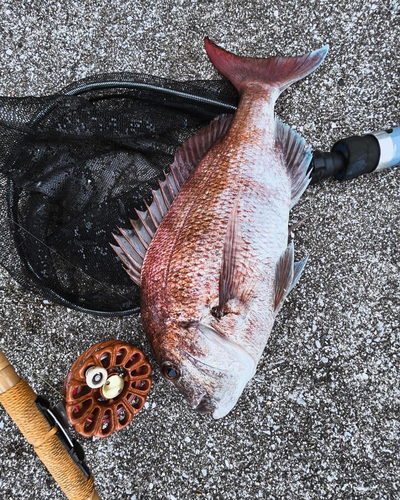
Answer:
[(320, 419)]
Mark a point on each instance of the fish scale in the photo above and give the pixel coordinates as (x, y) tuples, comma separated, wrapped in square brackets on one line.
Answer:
[(219, 265)]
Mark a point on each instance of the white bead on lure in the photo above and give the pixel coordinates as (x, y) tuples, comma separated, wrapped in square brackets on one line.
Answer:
[(211, 252)]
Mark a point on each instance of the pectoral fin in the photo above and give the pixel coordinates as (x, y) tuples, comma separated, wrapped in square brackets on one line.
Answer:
[(288, 274), (228, 277), (233, 282)]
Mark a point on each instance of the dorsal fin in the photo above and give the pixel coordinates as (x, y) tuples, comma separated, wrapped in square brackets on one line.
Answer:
[(297, 156), (192, 151), (132, 244), (287, 275)]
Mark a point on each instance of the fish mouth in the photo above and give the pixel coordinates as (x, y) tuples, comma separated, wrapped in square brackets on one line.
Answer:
[(237, 369), (206, 405)]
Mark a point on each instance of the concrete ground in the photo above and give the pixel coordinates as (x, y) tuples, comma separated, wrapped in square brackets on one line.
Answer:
[(320, 419)]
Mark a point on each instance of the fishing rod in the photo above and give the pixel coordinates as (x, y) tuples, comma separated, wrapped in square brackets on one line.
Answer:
[(357, 155), (43, 428)]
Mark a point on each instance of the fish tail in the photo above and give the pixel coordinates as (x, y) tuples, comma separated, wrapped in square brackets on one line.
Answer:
[(275, 72)]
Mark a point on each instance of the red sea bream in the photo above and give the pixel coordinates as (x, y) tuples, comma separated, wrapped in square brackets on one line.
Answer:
[(211, 252)]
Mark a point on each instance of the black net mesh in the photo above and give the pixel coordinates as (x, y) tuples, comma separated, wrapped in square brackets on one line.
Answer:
[(75, 165)]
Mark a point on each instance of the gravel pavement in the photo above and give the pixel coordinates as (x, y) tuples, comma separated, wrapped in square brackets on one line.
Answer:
[(320, 419)]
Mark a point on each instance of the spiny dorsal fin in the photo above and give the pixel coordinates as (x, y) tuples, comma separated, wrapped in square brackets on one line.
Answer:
[(132, 244), (297, 156), (287, 275), (192, 151)]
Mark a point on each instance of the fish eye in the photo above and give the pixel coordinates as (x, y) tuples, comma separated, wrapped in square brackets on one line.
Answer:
[(170, 371)]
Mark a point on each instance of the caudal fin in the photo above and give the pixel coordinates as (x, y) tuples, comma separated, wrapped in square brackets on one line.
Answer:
[(276, 72)]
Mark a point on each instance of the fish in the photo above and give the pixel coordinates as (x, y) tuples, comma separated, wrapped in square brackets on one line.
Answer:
[(211, 252)]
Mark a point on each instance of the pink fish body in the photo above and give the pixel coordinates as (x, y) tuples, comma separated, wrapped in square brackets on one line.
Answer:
[(211, 252)]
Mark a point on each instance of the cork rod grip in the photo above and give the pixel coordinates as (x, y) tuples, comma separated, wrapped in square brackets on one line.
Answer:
[(18, 400)]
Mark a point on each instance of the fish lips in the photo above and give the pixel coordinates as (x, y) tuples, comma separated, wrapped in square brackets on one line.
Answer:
[(206, 405), (218, 409)]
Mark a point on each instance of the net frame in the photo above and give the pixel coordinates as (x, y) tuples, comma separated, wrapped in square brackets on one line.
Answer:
[(37, 247)]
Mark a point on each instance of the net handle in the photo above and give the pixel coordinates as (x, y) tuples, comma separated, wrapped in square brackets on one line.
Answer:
[(18, 400)]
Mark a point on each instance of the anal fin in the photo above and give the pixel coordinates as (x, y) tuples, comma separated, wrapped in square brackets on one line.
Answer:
[(297, 156), (287, 276)]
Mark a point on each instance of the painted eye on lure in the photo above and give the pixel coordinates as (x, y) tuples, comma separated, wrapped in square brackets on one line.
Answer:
[(170, 371)]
